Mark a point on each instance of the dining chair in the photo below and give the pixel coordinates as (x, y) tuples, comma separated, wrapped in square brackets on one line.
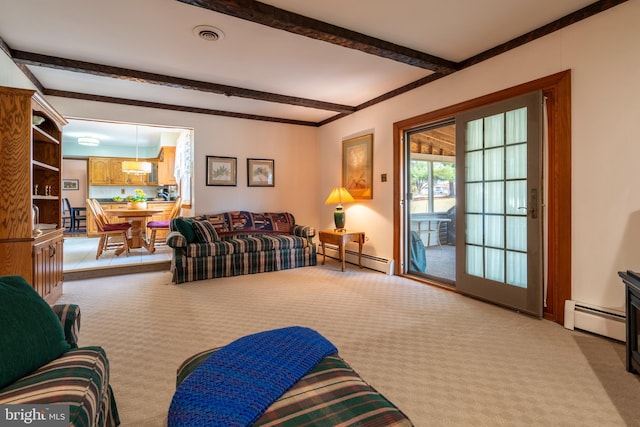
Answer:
[(79, 216), (67, 214), (98, 207), (108, 231), (162, 224)]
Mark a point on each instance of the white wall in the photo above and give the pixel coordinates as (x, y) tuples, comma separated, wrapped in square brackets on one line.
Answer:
[(75, 169), (603, 55), (10, 75)]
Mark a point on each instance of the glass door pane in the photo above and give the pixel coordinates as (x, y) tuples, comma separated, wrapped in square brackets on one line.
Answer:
[(499, 250)]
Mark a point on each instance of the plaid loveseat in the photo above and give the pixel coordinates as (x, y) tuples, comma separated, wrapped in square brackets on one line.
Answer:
[(238, 242), (78, 378)]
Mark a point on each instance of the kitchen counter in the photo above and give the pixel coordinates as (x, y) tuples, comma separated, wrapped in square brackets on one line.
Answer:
[(109, 200)]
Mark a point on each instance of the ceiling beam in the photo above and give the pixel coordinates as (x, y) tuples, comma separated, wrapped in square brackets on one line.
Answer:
[(281, 19), (35, 59), (172, 107)]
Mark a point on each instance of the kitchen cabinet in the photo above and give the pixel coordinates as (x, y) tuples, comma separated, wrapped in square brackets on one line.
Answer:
[(47, 264), (99, 171), (166, 165), (30, 176), (116, 176), (108, 171)]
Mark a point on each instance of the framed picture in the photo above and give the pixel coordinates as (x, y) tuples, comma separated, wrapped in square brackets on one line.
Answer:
[(260, 173), (357, 166), (70, 184), (222, 170)]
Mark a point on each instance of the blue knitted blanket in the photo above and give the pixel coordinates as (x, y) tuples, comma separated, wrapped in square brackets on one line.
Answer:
[(237, 383)]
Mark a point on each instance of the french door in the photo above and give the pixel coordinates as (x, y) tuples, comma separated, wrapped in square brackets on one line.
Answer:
[(498, 244)]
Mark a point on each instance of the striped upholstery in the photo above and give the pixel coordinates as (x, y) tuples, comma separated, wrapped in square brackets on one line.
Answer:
[(331, 394), (249, 243), (204, 231), (79, 378), (69, 315)]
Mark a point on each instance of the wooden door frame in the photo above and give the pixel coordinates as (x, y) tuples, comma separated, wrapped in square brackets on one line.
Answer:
[(557, 90)]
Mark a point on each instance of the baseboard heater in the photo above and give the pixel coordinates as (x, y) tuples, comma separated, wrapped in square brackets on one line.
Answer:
[(369, 261), (602, 321)]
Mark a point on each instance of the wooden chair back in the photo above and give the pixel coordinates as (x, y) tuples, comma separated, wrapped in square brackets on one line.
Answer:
[(175, 212), (98, 214)]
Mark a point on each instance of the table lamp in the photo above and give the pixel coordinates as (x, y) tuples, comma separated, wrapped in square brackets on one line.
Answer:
[(339, 195)]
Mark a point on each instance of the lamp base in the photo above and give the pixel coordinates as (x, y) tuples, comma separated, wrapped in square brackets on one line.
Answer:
[(339, 218)]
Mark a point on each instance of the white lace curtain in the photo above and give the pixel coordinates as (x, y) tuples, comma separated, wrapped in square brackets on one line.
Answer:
[(184, 165)]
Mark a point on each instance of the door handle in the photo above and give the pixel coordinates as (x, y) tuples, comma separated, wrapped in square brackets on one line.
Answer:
[(534, 202)]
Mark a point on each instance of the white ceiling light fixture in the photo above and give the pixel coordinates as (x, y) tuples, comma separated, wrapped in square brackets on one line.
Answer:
[(208, 33), (136, 167), (88, 141)]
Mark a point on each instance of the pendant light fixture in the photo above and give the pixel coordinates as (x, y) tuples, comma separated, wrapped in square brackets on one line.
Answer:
[(137, 167)]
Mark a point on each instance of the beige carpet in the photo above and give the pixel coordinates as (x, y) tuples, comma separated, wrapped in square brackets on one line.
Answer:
[(444, 359)]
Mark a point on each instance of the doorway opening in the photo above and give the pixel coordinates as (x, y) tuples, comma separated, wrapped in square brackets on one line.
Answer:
[(98, 173), (431, 201)]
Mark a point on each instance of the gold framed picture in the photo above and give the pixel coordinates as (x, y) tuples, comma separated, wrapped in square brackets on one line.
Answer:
[(357, 166), (221, 170), (260, 173)]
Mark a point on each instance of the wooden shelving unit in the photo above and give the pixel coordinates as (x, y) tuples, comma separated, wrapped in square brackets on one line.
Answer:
[(31, 156)]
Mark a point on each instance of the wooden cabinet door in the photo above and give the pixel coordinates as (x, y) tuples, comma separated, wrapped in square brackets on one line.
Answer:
[(134, 179), (166, 165), (152, 178), (99, 173), (115, 170), (47, 266)]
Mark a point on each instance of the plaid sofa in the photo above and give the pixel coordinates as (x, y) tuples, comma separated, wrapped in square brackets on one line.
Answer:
[(238, 242), (78, 378)]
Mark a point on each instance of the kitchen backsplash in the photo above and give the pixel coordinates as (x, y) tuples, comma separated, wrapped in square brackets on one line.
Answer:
[(107, 192)]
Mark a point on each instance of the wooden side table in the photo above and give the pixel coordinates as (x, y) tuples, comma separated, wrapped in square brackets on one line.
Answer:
[(341, 238)]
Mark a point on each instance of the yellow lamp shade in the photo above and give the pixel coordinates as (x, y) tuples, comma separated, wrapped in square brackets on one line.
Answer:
[(136, 167), (339, 195)]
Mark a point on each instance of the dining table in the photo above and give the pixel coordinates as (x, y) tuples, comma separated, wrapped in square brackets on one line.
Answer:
[(138, 220)]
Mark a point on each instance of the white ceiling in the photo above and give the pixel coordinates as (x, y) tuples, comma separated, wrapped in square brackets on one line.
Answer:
[(157, 36)]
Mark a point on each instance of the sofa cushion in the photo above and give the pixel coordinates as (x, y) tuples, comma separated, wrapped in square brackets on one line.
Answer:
[(204, 231), (249, 243), (243, 222), (183, 225), (32, 334), (280, 222)]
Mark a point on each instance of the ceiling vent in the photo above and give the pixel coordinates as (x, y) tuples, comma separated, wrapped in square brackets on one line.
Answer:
[(208, 33)]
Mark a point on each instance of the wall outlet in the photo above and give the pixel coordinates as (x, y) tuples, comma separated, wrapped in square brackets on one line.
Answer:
[(122, 191), (383, 177)]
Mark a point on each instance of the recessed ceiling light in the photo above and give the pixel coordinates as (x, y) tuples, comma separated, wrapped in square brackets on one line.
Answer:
[(208, 33), (91, 142)]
